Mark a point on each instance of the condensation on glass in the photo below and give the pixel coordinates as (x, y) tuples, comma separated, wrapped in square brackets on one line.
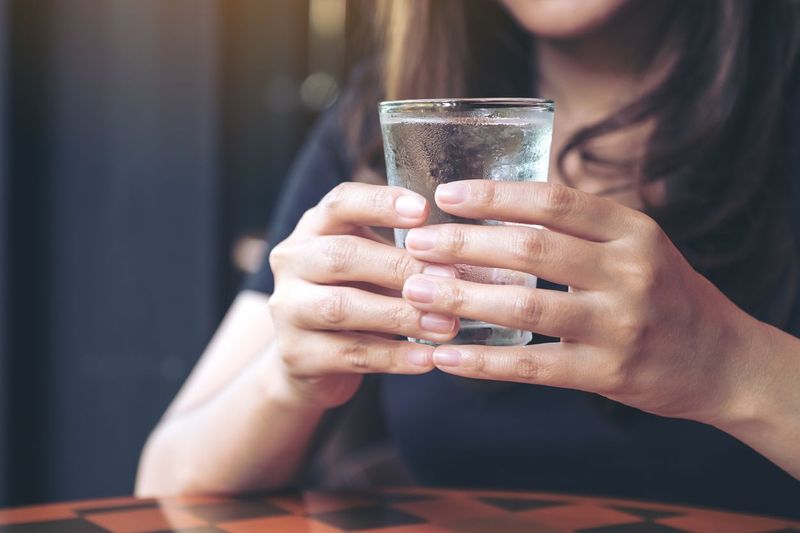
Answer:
[(430, 142)]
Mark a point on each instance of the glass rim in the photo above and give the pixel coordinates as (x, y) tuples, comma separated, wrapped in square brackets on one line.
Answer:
[(536, 104)]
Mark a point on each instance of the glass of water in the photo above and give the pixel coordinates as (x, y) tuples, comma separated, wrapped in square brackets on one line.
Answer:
[(430, 142)]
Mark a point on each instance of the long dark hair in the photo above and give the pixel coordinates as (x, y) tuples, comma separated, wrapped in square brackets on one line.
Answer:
[(720, 141)]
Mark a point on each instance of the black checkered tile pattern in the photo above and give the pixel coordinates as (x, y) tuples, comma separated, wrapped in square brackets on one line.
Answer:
[(391, 511)]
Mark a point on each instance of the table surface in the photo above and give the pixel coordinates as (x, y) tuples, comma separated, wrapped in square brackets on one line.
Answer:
[(389, 511)]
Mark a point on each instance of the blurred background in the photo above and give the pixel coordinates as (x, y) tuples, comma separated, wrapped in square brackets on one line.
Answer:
[(142, 145)]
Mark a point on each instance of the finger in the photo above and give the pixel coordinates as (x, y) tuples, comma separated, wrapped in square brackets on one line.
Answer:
[(548, 254), (554, 364), (350, 205), (552, 313), (349, 309), (345, 258), (321, 352), (555, 206)]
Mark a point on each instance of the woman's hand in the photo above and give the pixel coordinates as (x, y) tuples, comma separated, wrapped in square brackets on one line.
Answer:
[(639, 325), (337, 305)]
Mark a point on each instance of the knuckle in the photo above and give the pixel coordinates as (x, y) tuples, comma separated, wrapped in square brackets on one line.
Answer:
[(398, 317), (646, 226), (378, 200), (526, 368), (631, 331), (401, 267), (532, 246), (528, 308), (455, 240), (278, 256), (642, 277), (478, 361), (358, 355), (650, 234), (275, 304), (279, 306), (483, 192), (355, 355), (286, 347), (333, 307), (338, 254), (558, 199), (618, 377), (452, 297), (307, 215), (334, 199)]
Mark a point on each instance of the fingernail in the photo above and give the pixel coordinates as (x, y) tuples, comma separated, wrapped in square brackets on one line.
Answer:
[(446, 357), (420, 290), (437, 323), (418, 357), (451, 193), (409, 206), (421, 239), (440, 271)]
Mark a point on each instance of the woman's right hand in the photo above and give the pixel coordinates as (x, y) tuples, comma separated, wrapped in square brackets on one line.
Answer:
[(337, 302)]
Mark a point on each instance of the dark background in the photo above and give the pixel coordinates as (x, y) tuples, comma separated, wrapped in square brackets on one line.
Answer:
[(142, 145)]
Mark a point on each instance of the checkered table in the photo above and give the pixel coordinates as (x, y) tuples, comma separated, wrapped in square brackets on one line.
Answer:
[(390, 511)]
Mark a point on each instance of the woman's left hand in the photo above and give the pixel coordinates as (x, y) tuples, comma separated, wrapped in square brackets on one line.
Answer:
[(639, 325)]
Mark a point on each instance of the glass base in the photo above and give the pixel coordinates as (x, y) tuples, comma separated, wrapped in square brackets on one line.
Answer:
[(476, 332)]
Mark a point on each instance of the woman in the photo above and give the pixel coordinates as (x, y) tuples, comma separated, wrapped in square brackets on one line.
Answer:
[(676, 237)]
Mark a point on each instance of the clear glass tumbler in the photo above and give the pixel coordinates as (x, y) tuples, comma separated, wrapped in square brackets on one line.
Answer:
[(429, 142)]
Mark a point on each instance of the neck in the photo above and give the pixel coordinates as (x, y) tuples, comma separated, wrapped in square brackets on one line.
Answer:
[(597, 72)]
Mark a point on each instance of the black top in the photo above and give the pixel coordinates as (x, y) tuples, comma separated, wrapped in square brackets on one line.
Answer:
[(452, 431)]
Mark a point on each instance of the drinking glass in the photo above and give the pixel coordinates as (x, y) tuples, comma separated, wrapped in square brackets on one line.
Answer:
[(430, 142)]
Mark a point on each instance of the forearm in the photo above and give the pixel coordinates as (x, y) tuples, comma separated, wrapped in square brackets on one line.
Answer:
[(767, 416), (253, 435)]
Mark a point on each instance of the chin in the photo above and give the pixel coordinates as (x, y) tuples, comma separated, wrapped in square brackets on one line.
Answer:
[(563, 19)]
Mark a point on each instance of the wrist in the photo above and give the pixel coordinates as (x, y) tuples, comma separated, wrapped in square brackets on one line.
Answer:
[(751, 359), (281, 390)]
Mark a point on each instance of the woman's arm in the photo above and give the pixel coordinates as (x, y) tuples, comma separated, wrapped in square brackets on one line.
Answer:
[(767, 415), (234, 425)]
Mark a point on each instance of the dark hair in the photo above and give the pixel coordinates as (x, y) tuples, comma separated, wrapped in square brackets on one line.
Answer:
[(720, 141)]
